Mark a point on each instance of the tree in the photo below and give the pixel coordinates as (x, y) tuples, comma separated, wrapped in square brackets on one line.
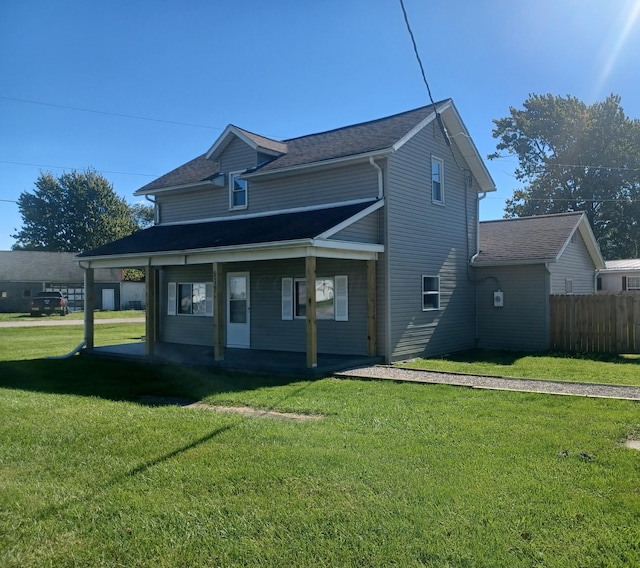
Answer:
[(574, 157), (75, 212)]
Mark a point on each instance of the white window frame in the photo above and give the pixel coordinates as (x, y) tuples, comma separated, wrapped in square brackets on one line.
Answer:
[(291, 304), (440, 163), (172, 299), (430, 292), (633, 282), (232, 192)]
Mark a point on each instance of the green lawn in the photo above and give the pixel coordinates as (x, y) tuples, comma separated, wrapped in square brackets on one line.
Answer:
[(393, 475), (605, 369), (75, 315)]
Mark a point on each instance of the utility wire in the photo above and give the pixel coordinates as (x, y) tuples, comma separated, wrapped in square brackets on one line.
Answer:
[(111, 113), (415, 50), (70, 168)]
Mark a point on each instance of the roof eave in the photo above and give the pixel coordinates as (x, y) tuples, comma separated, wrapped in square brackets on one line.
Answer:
[(192, 185), (322, 163)]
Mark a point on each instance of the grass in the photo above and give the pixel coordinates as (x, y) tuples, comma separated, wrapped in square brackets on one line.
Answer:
[(586, 368), (74, 315), (394, 475)]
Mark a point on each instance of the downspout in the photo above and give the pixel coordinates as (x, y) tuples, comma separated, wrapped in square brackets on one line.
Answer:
[(473, 259), (156, 209), (380, 178)]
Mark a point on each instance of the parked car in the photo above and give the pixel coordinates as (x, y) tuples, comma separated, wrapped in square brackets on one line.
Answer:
[(49, 303)]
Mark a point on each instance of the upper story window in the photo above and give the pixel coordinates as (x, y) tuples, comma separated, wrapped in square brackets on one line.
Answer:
[(237, 191), (437, 180)]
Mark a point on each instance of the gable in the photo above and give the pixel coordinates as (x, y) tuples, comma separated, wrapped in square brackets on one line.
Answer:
[(538, 239)]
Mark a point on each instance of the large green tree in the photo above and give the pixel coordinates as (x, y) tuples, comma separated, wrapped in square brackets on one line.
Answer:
[(74, 212), (577, 157)]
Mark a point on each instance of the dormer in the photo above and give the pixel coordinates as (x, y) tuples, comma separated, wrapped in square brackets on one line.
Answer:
[(239, 150)]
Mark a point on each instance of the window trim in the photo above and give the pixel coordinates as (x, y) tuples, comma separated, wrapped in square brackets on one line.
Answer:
[(173, 289), (633, 282), (430, 292), (440, 162), (290, 304), (232, 192)]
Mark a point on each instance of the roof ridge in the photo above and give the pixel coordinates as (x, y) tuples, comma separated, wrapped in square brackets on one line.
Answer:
[(366, 122), (528, 217)]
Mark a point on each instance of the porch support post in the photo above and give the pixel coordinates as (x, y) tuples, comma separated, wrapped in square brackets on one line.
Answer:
[(218, 312), (88, 308), (151, 307), (371, 308), (312, 330)]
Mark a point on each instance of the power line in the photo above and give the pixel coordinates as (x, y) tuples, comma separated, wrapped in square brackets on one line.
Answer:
[(132, 116), (415, 50), (71, 168)]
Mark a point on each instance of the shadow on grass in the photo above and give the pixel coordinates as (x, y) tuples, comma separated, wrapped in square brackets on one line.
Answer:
[(508, 358), (116, 380)]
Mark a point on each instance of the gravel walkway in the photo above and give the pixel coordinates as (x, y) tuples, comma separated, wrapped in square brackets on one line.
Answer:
[(495, 383)]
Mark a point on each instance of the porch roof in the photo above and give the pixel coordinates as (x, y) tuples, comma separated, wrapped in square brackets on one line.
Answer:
[(302, 228)]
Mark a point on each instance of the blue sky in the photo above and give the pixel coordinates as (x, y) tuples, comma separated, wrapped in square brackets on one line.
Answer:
[(282, 68)]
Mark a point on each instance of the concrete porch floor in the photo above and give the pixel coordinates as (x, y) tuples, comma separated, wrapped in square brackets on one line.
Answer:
[(243, 360)]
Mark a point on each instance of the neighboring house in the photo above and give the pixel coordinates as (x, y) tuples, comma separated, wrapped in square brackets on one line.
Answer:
[(381, 217), (25, 273), (620, 276), (521, 263)]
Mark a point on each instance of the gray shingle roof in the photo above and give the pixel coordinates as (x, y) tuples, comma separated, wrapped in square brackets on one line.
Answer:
[(375, 135), (197, 170), (230, 232), (526, 239)]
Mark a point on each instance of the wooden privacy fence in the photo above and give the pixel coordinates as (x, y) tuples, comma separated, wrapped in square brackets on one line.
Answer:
[(603, 323)]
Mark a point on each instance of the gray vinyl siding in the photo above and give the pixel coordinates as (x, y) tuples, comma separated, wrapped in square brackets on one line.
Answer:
[(268, 329), (185, 329), (574, 263), (523, 322), (321, 187), (365, 230), (423, 238), (237, 156), (204, 203)]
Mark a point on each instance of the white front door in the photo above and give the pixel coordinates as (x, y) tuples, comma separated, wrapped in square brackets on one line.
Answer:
[(108, 299), (238, 321)]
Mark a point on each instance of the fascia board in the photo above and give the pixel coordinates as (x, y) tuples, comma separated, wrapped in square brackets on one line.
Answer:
[(223, 140), (322, 164), (409, 135), (357, 217), (592, 243), (497, 263), (251, 252), (175, 188)]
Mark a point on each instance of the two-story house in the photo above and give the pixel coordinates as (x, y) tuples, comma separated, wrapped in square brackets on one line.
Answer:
[(355, 241)]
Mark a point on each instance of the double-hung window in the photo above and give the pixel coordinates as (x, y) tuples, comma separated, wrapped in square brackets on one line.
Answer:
[(633, 282), (430, 293), (190, 298), (237, 191), (332, 298), (437, 180)]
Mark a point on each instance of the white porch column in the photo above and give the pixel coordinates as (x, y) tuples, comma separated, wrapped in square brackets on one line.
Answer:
[(312, 328), (371, 308)]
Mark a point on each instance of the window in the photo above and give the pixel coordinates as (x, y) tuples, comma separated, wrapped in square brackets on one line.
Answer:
[(190, 299), (237, 192), (430, 293), (633, 282), (568, 286), (437, 180), (331, 298)]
